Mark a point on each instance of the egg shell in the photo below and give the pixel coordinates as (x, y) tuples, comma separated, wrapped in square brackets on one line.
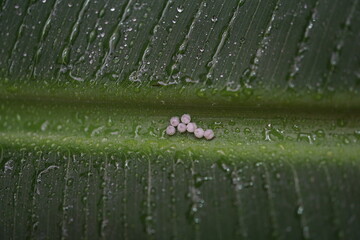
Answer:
[(181, 127), (185, 118), (209, 134), (199, 132), (191, 127), (174, 121), (170, 130)]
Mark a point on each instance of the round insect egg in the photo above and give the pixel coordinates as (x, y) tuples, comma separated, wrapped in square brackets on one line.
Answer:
[(185, 118), (170, 130), (174, 121), (181, 127), (209, 134), (191, 127), (199, 132)]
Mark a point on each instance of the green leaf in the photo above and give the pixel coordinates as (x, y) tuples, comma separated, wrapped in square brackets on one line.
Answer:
[(87, 89)]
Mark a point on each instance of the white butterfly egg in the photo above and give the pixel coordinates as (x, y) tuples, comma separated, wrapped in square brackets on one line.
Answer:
[(181, 127), (191, 127), (170, 130), (174, 121), (199, 132), (185, 118), (209, 134)]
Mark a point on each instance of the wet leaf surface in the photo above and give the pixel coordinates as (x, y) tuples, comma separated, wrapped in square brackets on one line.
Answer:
[(87, 89)]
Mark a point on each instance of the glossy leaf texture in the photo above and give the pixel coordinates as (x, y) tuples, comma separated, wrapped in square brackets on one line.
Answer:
[(87, 89)]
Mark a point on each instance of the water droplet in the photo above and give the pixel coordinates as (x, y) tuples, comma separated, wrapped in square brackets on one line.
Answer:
[(305, 137), (180, 9), (277, 176), (224, 167), (247, 130), (201, 92), (346, 140), (70, 182), (300, 210), (296, 128), (44, 125), (320, 133), (334, 58), (9, 165), (101, 13)]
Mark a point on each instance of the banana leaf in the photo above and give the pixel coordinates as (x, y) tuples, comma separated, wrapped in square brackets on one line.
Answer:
[(87, 89)]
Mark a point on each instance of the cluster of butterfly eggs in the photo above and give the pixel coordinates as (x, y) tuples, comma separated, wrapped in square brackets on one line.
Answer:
[(184, 124)]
